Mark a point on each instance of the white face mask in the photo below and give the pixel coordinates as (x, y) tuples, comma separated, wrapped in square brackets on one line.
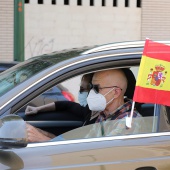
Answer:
[(82, 98), (97, 101)]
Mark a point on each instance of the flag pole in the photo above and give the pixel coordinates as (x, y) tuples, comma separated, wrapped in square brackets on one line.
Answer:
[(154, 117), (129, 119)]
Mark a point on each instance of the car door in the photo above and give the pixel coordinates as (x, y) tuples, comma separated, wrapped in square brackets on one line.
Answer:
[(147, 151), (121, 152)]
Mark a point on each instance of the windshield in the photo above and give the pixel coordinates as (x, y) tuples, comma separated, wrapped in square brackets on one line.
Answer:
[(23, 71)]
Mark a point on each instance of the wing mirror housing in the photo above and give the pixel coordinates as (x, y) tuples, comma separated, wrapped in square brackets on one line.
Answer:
[(12, 132)]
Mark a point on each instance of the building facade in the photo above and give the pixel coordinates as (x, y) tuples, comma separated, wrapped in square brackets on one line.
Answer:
[(52, 25), (6, 30)]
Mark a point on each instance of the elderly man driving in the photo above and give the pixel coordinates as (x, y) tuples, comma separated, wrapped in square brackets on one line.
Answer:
[(106, 95)]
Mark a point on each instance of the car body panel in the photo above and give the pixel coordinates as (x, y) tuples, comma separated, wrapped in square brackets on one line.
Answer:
[(121, 153)]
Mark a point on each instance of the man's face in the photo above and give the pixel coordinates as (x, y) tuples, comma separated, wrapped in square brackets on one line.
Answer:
[(104, 80)]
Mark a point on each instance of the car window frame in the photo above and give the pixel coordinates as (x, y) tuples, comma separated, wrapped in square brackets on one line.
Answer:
[(96, 139)]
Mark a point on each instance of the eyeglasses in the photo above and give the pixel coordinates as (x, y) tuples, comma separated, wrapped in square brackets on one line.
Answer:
[(96, 87), (83, 90)]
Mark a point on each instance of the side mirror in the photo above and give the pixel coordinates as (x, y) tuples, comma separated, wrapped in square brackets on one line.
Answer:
[(12, 132)]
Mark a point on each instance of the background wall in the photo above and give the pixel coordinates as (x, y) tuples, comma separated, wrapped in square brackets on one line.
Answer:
[(6, 30), (54, 27), (155, 19)]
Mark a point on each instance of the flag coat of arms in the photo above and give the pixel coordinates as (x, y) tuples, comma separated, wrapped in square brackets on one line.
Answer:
[(153, 82)]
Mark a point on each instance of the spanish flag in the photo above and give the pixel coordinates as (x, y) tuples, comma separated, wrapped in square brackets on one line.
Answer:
[(153, 82)]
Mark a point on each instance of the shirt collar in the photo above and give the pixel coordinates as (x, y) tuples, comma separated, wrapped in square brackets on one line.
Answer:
[(122, 109)]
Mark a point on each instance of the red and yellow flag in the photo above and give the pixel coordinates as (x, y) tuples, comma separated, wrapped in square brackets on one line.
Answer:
[(153, 82)]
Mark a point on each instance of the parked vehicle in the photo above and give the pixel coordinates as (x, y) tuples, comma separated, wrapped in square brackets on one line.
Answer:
[(145, 151), (6, 65)]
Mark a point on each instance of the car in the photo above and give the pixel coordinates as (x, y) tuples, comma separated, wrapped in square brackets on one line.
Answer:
[(6, 65), (142, 151)]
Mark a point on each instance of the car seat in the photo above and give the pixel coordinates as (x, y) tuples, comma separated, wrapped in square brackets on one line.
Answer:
[(142, 108), (131, 87)]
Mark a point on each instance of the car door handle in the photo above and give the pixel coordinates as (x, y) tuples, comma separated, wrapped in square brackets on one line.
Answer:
[(146, 168)]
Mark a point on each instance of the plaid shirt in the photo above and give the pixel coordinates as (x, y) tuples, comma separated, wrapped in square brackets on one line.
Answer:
[(121, 112)]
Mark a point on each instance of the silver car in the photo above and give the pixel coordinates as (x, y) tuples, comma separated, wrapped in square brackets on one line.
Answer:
[(24, 82)]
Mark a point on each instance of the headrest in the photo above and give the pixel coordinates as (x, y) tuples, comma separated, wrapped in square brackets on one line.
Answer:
[(131, 82)]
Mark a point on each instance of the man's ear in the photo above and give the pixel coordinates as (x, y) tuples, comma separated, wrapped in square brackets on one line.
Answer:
[(117, 93)]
